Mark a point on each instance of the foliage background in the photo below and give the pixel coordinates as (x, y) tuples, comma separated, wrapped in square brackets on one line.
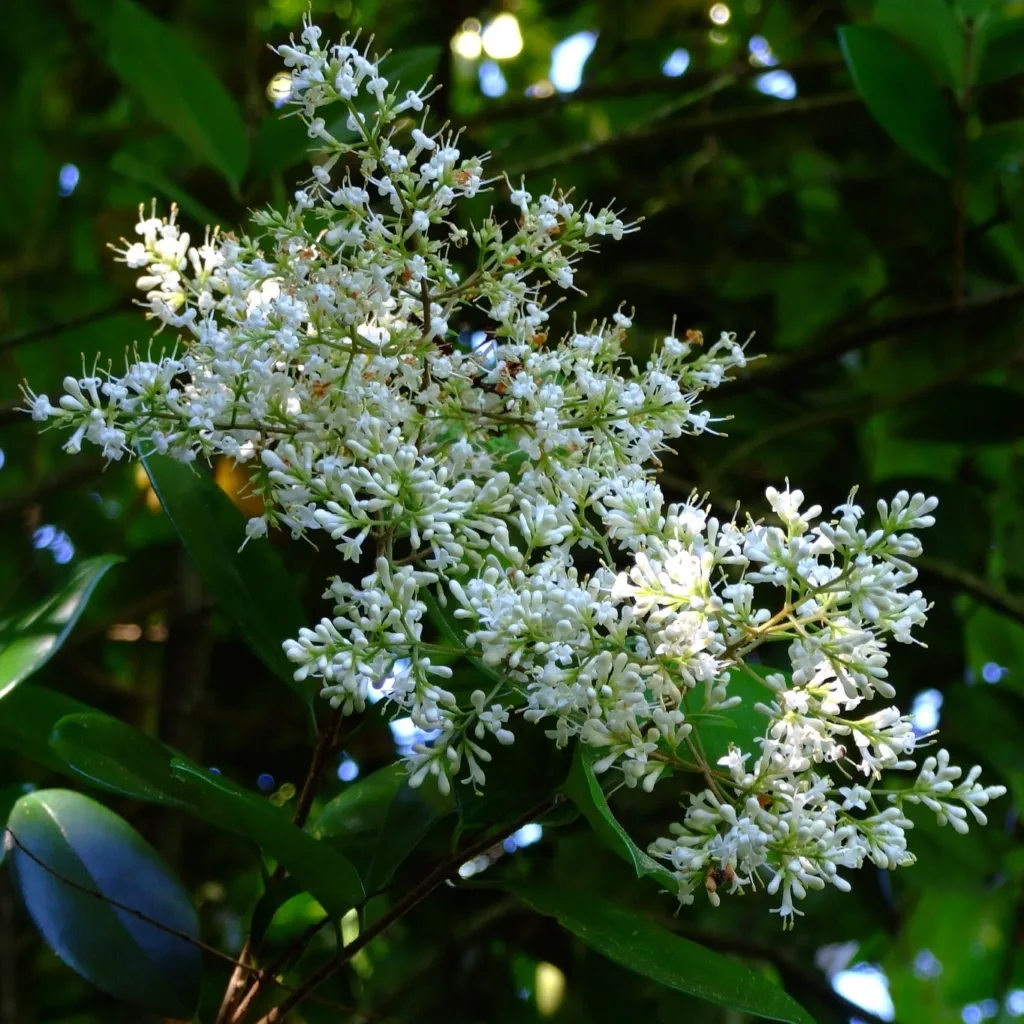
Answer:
[(873, 241)]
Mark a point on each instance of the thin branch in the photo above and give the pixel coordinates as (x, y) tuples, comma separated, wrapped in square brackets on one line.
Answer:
[(832, 345), (35, 333), (660, 85), (235, 993), (978, 588), (773, 112), (445, 870)]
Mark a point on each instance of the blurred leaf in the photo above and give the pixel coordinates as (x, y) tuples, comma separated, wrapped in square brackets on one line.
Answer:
[(84, 842), (994, 148), (995, 643), (897, 88), (252, 586), (379, 820), (647, 949), (986, 720), (30, 640), (132, 167), (1003, 53), (124, 760), (932, 30), (583, 788), (961, 414), (179, 90)]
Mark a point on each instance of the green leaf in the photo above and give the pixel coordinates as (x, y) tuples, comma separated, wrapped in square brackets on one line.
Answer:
[(251, 585), (83, 842), (178, 89), (647, 949), (993, 149), (122, 759), (898, 90), (378, 821), (28, 715), (585, 792), (962, 414), (1003, 54), (132, 167), (29, 641), (739, 726), (453, 635), (932, 30)]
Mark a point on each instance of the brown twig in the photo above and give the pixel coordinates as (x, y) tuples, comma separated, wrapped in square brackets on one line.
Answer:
[(660, 85), (770, 111), (419, 892), (833, 345), (235, 992), (980, 589), (35, 333)]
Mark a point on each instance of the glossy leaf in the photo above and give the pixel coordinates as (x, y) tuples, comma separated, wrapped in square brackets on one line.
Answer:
[(28, 715), (901, 95), (583, 788), (1003, 53), (647, 949), (378, 821), (179, 90), (932, 30), (29, 641), (124, 760), (82, 841), (251, 585)]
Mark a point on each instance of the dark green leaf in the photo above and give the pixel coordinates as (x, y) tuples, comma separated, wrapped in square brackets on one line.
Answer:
[(739, 726), (585, 791), (82, 841), (962, 414), (27, 717), (994, 149), (29, 641), (378, 821), (251, 585), (179, 90), (647, 949), (932, 30), (897, 88), (126, 761), (1003, 54), (453, 635), (133, 168)]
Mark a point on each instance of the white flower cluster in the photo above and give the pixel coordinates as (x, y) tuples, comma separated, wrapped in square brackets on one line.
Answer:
[(410, 405)]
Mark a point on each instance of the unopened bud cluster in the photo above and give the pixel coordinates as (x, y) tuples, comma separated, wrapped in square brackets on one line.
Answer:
[(478, 480)]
